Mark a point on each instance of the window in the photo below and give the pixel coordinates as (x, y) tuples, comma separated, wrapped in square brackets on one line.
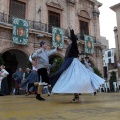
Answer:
[(84, 27), (17, 9), (109, 53), (109, 60), (53, 19)]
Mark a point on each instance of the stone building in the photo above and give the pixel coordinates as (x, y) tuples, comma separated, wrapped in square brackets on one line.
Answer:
[(82, 15), (116, 8)]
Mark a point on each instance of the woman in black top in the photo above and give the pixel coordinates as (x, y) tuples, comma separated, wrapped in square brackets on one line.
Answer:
[(72, 77)]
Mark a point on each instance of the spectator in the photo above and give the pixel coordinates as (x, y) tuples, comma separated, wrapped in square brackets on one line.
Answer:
[(17, 76), (4, 83), (25, 75)]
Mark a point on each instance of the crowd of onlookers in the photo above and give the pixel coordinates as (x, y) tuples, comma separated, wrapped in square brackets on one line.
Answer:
[(18, 77)]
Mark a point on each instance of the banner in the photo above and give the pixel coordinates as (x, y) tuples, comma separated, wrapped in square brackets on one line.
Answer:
[(20, 31), (89, 44), (57, 37)]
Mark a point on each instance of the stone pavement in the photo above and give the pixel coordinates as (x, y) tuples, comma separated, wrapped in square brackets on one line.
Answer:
[(104, 106)]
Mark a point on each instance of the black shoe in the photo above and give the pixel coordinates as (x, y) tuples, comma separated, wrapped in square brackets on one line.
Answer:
[(74, 100), (27, 93), (1, 95), (48, 94), (39, 98), (95, 93)]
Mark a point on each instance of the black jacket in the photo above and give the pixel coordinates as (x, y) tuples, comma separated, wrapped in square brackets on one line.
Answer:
[(72, 50)]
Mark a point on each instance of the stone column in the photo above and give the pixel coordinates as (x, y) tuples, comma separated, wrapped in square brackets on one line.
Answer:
[(117, 50)]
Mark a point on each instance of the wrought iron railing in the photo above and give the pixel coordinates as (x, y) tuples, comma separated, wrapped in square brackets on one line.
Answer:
[(81, 37), (39, 26), (32, 24)]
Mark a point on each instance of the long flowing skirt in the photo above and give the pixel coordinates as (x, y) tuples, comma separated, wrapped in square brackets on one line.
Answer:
[(76, 79), (32, 77), (95, 80)]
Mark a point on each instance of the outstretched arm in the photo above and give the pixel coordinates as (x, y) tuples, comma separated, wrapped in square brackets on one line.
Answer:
[(74, 39)]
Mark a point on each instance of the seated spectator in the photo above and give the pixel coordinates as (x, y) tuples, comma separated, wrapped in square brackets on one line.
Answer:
[(17, 76)]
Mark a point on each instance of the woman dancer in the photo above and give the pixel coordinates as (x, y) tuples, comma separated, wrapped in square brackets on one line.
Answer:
[(72, 77), (95, 79), (17, 76)]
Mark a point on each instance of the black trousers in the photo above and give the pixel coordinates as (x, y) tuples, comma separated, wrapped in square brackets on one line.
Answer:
[(4, 87), (44, 75)]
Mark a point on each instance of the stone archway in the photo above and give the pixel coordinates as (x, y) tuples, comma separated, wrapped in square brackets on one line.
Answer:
[(14, 59)]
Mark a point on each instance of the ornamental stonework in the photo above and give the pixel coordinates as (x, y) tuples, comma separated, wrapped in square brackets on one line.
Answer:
[(86, 3)]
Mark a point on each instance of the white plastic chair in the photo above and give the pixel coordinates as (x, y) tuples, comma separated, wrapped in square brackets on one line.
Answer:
[(107, 86), (115, 84)]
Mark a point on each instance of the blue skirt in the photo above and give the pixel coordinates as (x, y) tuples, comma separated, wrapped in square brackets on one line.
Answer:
[(32, 77), (53, 78), (77, 79)]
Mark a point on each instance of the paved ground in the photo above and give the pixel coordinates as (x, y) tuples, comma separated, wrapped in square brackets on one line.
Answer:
[(105, 106)]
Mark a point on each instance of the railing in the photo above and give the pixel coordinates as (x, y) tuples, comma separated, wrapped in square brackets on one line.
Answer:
[(81, 37), (32, 24), (39, 26)]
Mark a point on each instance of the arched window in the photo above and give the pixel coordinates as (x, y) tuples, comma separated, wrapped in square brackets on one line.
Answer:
[(84, 22)]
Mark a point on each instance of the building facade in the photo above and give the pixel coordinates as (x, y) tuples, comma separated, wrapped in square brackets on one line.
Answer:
[(82, 15), (116, 8), (109, 62)]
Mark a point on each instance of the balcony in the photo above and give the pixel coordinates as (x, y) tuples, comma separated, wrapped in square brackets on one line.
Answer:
[(81, 37), (7, 20)]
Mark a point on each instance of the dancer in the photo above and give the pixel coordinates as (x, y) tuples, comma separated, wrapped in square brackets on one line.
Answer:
[(72, 77), (17, 76), (87, 65), (26, 73), (43, 61), (95, 79), (32, 81)]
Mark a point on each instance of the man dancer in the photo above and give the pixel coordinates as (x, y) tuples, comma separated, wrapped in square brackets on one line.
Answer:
[(42, 57), (43, 61)]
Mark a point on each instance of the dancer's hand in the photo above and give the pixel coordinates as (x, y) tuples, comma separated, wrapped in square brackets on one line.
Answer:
[(70, 27)]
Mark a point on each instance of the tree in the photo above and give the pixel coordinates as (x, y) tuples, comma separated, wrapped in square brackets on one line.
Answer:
[(96, 71), (113, 78), (57, 66), (1, 59)]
